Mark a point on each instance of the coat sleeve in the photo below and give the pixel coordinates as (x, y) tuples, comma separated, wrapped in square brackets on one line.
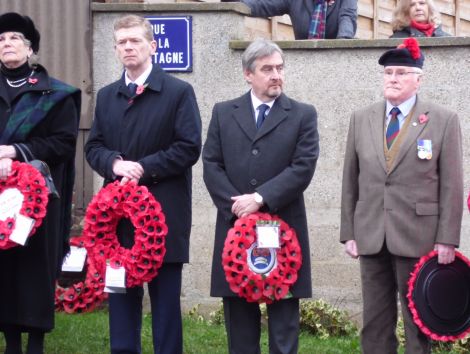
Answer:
[(185, 148), (350, 187), (347, 19), (58, 145), (450, 184), (98, 155), (267, 8), (290, 183), (215, 176)]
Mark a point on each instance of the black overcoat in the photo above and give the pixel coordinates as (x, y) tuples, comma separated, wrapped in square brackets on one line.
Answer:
[(160, 129), (277, 161), (28, 273)]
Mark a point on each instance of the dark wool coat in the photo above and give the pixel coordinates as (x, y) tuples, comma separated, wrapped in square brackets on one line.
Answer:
[(28, 273), (414, 32), (277, 161), (160, 129), (341, 16)]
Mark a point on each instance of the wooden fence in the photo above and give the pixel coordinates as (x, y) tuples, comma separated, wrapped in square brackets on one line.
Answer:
[(374, 17)]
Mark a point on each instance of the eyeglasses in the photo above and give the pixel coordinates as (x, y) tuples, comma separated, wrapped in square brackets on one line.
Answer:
[(399, 74)]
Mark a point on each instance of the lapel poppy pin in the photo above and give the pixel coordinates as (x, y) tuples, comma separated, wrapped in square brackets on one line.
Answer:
[(32, 80), (140, 89), (423, 118)]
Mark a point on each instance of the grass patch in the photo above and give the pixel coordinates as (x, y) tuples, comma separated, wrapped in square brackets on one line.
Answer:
[(89, 334)]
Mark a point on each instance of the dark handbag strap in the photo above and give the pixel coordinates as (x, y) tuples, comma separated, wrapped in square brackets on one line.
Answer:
[(23, 149), (40, 165)]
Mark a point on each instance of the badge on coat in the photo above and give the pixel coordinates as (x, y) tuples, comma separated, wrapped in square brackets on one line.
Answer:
[(261, 260), (424, 149)]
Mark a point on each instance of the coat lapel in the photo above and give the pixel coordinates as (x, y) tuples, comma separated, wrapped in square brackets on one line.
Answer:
[(243, 114), (414, 130), (276, 115), (376, 119)]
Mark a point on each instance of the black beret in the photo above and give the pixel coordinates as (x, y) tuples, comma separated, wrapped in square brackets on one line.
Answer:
[(406, 54), (14, 22)]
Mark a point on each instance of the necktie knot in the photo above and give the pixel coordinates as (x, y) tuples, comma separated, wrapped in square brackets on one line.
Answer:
[(395, 111), (262, 108), (132, 87)]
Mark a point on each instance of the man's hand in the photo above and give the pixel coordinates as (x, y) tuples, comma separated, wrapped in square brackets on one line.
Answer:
[(350, 247), (5, 167), (445, 253), (244, 205), (128, 169)]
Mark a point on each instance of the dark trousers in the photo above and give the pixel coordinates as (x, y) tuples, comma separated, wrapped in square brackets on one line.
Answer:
[(125, 314), (383, 276), (243, 325)]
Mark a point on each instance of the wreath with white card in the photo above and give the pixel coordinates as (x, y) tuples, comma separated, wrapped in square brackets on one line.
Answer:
[(81, 296), (136, 203), (23, 204), (261, 274)]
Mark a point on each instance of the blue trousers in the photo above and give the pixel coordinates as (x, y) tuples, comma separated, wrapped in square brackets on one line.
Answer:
[(125, 314)]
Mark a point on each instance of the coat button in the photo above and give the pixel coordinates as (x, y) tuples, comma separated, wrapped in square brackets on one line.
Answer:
[(254, 152), (387, 158), (253, 182), (387, 183)]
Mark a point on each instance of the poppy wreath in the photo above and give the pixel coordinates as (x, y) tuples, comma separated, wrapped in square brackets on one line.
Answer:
[(412, 306), (31, 184), (109, 205), (82, 296), (252, 286)]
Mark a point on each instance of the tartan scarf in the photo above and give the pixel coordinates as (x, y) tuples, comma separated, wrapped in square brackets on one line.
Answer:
[(318, 22), (31, 109)]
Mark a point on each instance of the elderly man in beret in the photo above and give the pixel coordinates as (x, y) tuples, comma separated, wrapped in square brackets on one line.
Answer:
[(402, 195)]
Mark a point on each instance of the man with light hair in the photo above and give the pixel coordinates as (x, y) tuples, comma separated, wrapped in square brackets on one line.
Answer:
[(147, 130), (402, 196)]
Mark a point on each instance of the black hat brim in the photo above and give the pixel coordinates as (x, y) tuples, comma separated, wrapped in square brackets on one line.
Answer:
[(439, 297), (14, 22)]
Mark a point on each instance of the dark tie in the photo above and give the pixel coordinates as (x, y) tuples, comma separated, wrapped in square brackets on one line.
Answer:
[(393, 126), (261, 114), (132, 88)]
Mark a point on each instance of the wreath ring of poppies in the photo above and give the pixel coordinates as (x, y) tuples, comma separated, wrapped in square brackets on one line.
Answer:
[(31, 184), (81, 296), (108, 206), (442, 316), (255, 287)]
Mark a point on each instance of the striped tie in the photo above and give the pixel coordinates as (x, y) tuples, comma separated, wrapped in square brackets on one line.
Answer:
[(393, 127)]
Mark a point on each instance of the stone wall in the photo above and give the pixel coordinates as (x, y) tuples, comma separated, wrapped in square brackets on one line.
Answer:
[(335, 76)]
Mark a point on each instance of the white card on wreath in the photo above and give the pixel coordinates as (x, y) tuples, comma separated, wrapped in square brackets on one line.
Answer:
[(268, 236), (115, 280), (23, 226), (74, 261), (11, 200)]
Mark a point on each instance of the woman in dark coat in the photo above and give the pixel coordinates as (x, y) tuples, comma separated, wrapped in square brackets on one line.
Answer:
[(417, 18), (42, 114)]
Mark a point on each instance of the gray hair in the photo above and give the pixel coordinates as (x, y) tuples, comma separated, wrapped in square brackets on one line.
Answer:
[(259, 48)]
